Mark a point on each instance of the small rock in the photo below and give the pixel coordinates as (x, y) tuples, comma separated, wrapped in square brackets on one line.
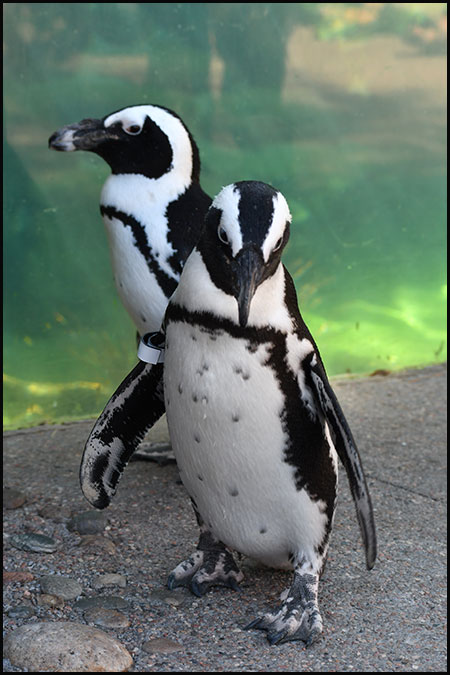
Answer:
[(161, 645), (65, 647), (35, 543), (48, 600), (97, 544), (64, 587), (21, 612), (102, 601), (12, 498), (167, 597), (109, 580), (88, 522), (11, 577), (106, 618), (56, 513)]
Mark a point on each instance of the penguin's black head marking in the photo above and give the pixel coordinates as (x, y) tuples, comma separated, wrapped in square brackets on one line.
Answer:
[(246, 230), (141, 139)]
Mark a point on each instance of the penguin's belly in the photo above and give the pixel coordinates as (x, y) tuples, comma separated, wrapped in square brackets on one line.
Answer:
[(137, 286), (224, 409)]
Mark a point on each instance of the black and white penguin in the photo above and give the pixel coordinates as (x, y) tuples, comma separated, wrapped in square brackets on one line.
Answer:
[(152, 204), (254, 423)]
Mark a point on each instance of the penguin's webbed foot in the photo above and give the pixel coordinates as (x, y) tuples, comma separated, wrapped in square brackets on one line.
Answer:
[(211, 565), (298, 618)]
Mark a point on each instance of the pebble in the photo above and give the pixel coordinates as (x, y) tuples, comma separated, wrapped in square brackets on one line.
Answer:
[(88, 522), (109, 580), (102, 601), (58, 513), (161, 645), (64, 587), (168, 598), (65, 647), (17, 576), (12, 498), (48, 600), (96, 544), (21, 612), (106, 618), (35, 543)]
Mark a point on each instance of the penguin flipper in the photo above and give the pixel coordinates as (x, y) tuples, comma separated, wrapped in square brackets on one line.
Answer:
[(131, 411), (348, 454)]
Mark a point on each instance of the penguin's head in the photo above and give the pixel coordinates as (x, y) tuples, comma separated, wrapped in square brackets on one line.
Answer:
[(143, 139), (246, 230)]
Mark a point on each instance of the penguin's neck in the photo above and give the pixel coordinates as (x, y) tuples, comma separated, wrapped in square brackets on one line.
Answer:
[(196, 292), (137, 195)]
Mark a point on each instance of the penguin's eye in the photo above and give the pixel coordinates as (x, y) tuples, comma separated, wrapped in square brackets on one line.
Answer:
[(133, 129), (222, 235), (278, 244)]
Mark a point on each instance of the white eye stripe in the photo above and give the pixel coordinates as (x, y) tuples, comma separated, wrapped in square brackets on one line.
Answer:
[(228, 202), (281, 215), (134, 116)]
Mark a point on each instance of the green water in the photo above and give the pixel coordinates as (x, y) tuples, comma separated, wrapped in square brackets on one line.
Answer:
[(341, 106)]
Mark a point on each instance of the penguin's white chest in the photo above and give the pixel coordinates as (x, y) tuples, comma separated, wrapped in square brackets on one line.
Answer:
[(224, 409), (146, 201), (137, 286)]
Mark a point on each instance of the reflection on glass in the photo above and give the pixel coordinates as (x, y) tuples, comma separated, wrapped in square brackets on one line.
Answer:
[(339, 105)]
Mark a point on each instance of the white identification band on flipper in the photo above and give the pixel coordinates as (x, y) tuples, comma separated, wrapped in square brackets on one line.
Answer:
[(151, 348)]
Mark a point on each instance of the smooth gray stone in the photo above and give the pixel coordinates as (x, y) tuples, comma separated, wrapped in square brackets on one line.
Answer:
[(64, 587), (35, 543)]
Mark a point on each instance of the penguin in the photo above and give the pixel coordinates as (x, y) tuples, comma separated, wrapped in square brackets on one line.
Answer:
[(152, 204), (254, 423)]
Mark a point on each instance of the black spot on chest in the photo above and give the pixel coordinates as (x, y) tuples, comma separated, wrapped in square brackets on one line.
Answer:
[(306, 448)]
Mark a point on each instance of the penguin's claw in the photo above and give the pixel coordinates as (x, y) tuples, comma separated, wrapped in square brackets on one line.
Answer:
[(281, 629), (276, 638), (205, 569), (289, 630), (172, 582), (197, 589), (233, 584), (254, 625), (298, 618)]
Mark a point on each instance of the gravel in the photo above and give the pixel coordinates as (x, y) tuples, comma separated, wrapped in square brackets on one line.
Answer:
[(391, 619)]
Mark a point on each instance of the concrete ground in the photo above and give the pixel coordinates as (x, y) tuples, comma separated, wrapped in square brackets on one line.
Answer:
[(391, 619)]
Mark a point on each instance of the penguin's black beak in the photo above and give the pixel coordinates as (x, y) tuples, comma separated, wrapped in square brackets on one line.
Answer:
[(85, 135), (248, 267)]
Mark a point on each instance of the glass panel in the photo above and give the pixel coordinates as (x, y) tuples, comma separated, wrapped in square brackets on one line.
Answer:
[(339, 105)]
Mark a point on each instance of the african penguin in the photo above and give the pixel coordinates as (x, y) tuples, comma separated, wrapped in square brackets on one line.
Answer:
[(152, 204), (254, 424)]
